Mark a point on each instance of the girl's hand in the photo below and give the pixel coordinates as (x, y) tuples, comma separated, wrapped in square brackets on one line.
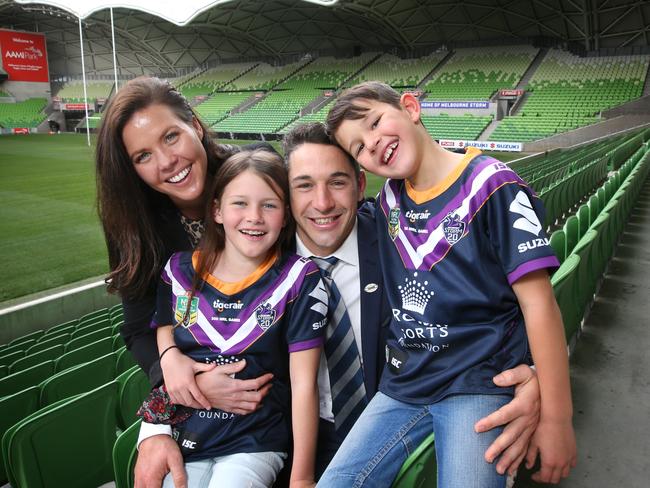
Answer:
[(178, 373), (555, 443)]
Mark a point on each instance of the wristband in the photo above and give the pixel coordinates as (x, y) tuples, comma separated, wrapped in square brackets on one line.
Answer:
[(163, 353)]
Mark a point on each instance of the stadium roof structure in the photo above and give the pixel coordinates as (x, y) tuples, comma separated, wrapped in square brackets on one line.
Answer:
[(275, 30)]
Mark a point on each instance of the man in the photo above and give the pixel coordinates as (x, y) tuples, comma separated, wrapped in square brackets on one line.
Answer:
[(326, 187)]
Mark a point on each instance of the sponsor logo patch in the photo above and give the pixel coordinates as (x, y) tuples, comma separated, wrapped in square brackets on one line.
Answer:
[(453, 228), (180, 313), (265, 316), (393, 222)]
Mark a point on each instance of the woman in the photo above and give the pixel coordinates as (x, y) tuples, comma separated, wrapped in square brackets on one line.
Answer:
[(155, 159)]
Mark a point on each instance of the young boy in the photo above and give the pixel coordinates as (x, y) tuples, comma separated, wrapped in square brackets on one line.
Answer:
[(465, 261)]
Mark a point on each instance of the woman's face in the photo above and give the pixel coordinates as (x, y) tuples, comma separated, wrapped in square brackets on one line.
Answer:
[(167, 154)]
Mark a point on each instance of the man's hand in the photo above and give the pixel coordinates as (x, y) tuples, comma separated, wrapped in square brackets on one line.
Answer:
[(232, 395), (521, 416), (157, 456)]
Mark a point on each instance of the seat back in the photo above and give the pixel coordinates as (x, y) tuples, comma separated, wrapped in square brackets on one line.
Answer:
[(125, 360), (85, 339), (558, 243), (571, 233), (420, 469), (78, 379), (24, 379), (565, 288), (84, 354), (36, 358), (124, 456), (134, 387), (69, 444)]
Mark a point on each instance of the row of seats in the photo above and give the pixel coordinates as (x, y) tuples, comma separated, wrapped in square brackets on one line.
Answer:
[(74, 91), (398, 72), (27, 113), (467, 127)]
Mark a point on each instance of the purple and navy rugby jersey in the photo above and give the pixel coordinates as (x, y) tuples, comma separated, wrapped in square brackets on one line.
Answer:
[(283, 310), (448, 264)]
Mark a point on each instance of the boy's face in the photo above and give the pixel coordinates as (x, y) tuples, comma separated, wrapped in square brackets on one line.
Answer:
[(385, 140)]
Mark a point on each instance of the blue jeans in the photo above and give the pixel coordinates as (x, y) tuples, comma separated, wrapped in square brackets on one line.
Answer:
[(389, 431)]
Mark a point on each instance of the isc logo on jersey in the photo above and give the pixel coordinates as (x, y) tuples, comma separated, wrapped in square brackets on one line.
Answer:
[(527, 222)]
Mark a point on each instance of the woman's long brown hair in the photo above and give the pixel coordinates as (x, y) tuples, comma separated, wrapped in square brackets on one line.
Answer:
[(128, 208)]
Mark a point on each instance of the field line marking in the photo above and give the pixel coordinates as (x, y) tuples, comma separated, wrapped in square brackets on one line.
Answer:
[(48, 298)]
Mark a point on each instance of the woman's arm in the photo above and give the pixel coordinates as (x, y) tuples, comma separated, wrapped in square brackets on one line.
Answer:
[(303, 367), (179, 371), (554, 439)]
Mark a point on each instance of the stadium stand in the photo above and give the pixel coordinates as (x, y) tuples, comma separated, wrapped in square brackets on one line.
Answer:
[(213, 79), (476, 73), (398, 72), (264, 77), (22, 114), (467, 127), (567, 92), (74, 91), (219, 105)]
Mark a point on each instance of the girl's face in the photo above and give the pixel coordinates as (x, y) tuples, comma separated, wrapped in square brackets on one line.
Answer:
[(168, 155), (252, 215)]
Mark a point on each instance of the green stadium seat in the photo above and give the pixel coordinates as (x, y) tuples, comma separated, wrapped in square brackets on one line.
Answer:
[(91, 326), (85, 353), (57, 328), (23, 346), (92, 316), (36, 358), (124, 456), (4, 370), (558, 243), (24, 338), (589, 269), (565, 287), (24, 379), (125, 360), (571, 233), (594, 208), (78, 379), (85, 339), (68, 329), (584, 218), (134, 387), (12, 357), (118, 342), (68, 444), (420, 469), (14, 408), (54, 340)]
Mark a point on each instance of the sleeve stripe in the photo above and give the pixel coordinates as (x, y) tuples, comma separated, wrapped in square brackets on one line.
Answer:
[(534, 265), (304, 345)]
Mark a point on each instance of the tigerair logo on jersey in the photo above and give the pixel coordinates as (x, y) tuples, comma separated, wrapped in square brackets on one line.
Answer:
[(220, 306), (393, 222), (415, 295), (453, 228), (180, 312), (415, 216), (528, 222), (265, 315)]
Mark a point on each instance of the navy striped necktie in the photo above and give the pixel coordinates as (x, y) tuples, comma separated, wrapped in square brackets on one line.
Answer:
[(343, 363)]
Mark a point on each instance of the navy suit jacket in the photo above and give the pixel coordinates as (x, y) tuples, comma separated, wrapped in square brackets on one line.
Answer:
[(375, 312)]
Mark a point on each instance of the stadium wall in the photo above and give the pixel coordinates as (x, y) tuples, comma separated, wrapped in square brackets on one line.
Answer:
[(46, 311)]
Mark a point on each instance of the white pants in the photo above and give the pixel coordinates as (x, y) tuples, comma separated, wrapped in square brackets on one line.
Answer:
[(243, 470)]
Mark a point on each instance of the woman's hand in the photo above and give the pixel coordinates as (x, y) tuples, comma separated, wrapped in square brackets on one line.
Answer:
[(232, 395), (179, 373)]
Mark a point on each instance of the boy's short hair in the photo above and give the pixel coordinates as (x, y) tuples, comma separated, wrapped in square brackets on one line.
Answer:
[(312, 133), (345, 107)]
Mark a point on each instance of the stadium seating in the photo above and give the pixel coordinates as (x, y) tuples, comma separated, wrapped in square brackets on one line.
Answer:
[(476, 73), (219, 105), (22, 114), (398, 72), (73, 92), (212, 79), (467, 127), (124, 456), (420, 469), (567, 92)]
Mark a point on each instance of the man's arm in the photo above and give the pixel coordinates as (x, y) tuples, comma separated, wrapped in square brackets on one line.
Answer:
[(157, 456), (520, 418)]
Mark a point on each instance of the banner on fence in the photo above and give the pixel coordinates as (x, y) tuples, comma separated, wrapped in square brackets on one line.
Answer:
[(483, 145), (454, 105)]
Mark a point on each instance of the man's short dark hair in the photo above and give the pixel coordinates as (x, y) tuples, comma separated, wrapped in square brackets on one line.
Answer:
[(345, 107), (312, 133)]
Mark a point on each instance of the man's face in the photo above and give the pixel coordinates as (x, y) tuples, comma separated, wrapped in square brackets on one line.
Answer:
[(324, 196)]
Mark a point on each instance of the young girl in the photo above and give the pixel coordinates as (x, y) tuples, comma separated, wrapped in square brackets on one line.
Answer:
[(241, 295)]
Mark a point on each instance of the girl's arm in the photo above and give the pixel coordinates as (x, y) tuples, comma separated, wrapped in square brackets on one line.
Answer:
[(303, 368), (554, 439), (179, 371)]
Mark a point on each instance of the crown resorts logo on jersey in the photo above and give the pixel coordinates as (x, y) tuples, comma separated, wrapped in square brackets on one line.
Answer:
[(393, 222), (180, 312), (415, 295), (453, 228), (265, 315)]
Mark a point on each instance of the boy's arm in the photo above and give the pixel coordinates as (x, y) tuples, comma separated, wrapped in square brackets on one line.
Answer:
[(554, 438), (179, 371), (303, 368)]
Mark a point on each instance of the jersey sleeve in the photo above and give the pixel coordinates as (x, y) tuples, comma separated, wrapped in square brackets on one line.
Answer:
[(164, 314), (308, 314), (514, 225)]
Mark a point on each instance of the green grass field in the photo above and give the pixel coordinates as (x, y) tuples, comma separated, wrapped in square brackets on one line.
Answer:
[(49, 230)]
